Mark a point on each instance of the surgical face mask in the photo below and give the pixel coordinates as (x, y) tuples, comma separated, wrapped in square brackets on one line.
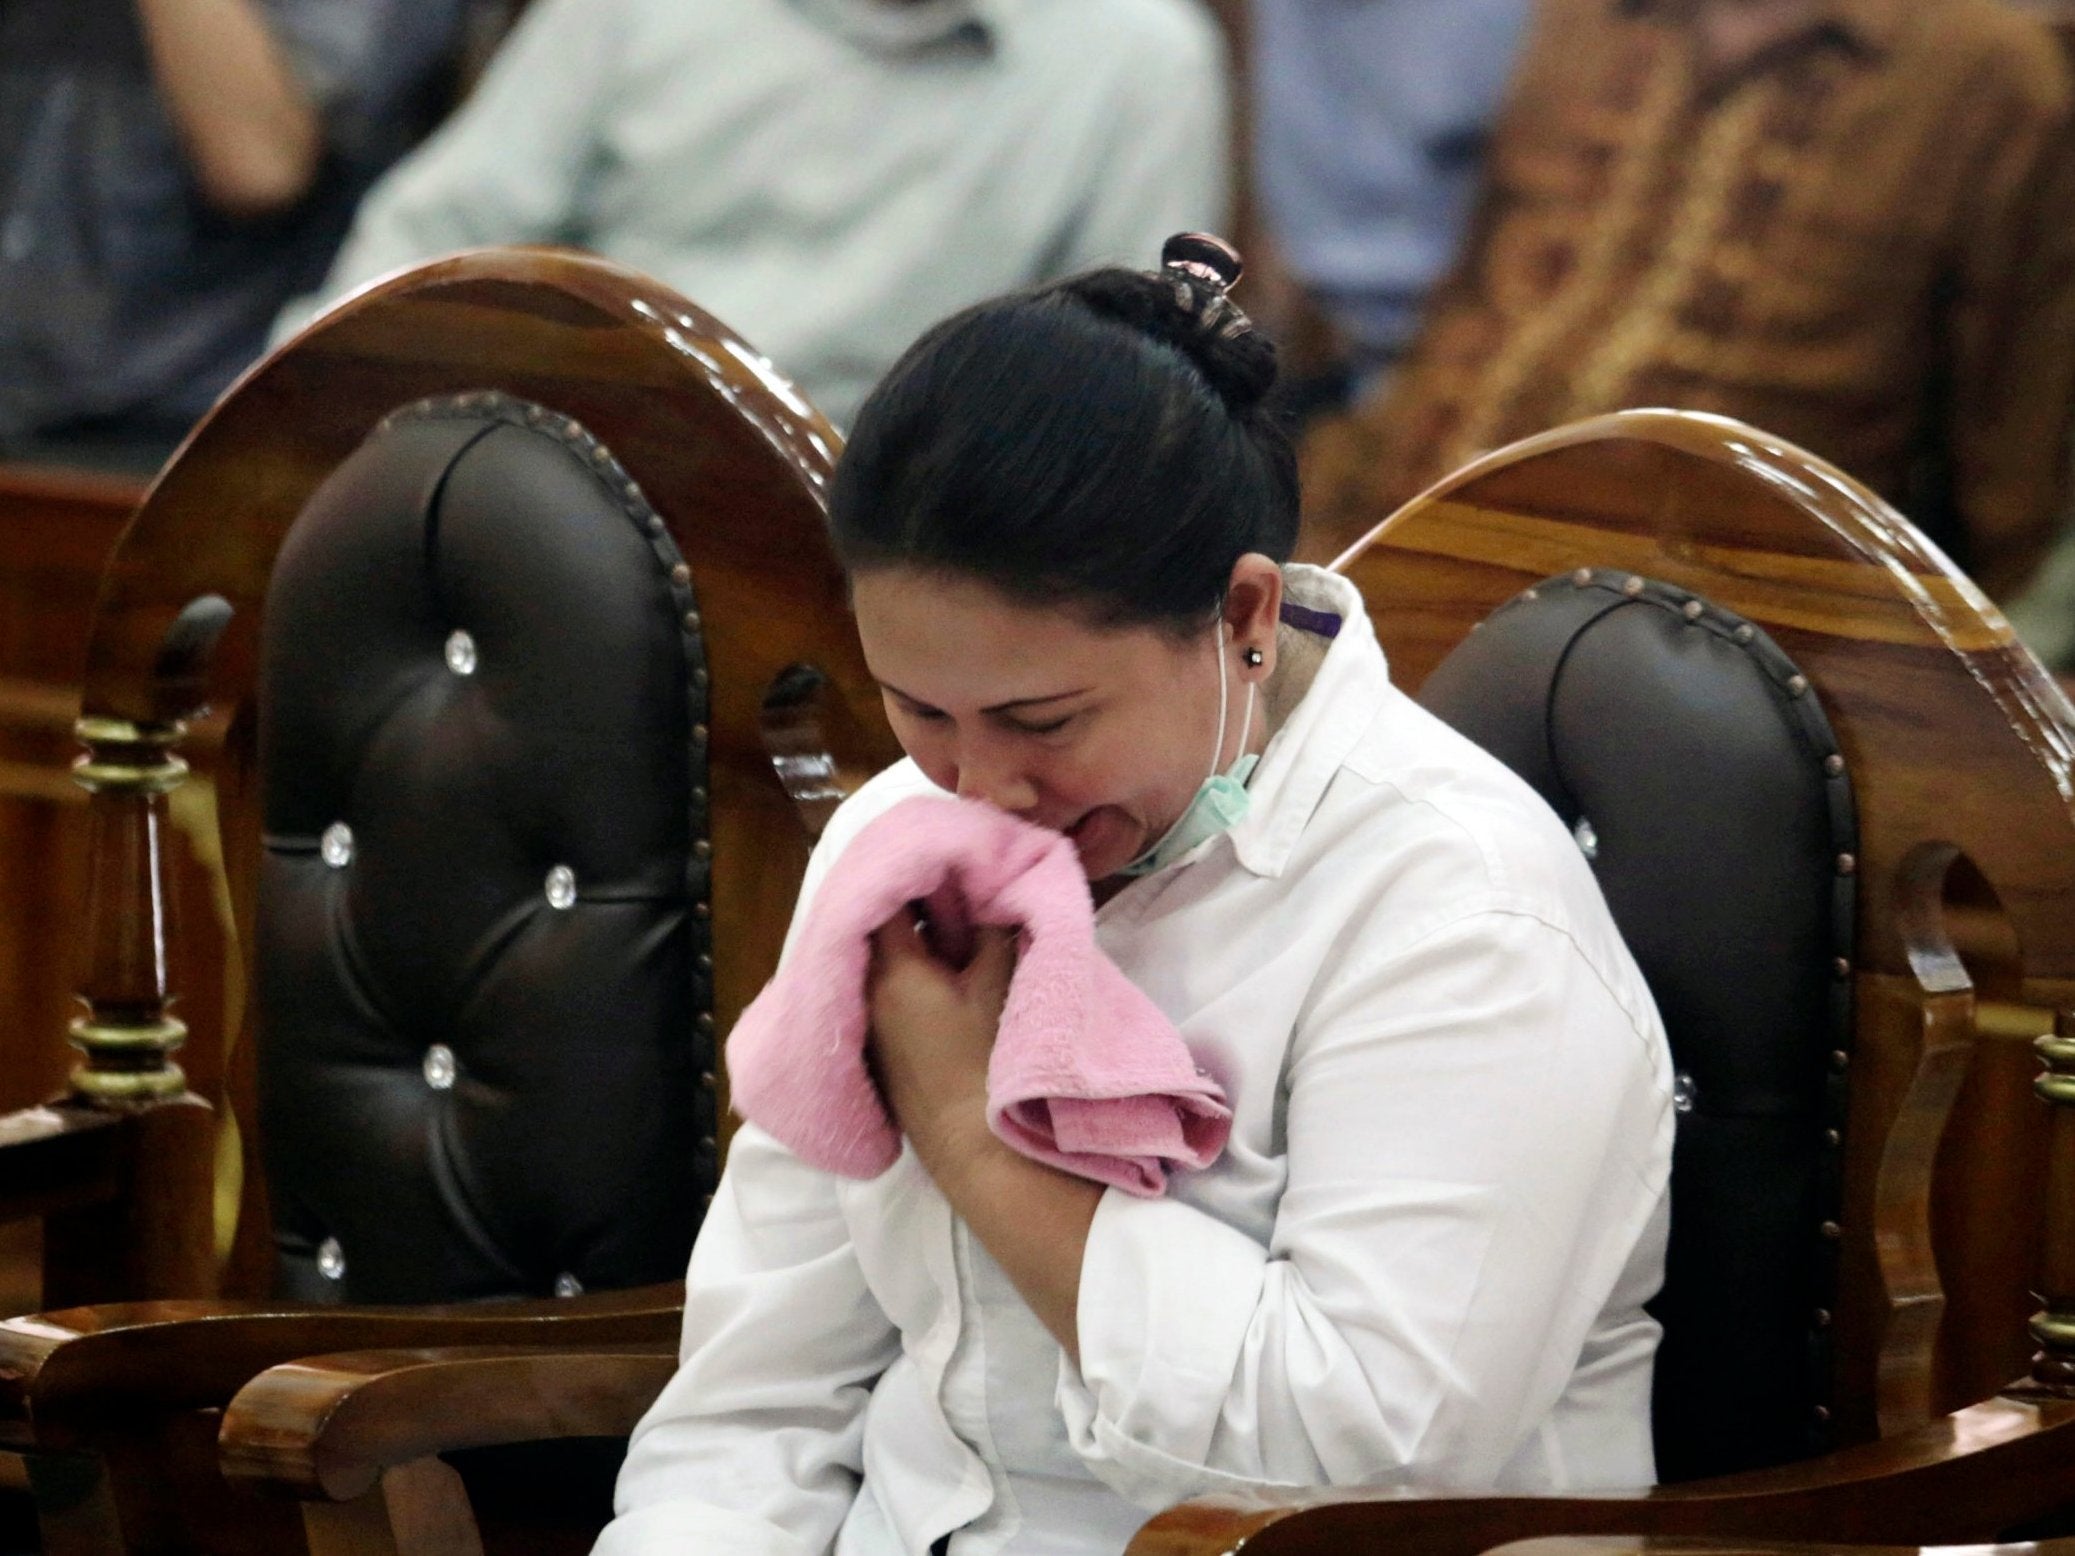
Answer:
[(1221, 799)]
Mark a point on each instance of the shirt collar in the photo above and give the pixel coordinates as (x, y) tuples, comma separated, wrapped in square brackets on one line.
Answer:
[(903, 29), (1347, 693), (1869, 24)]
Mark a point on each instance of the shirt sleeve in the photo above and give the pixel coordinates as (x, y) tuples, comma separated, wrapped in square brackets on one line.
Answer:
[(1165, 166), (2013, 344), (1478, 1143), (755, 1447), (510, 165)]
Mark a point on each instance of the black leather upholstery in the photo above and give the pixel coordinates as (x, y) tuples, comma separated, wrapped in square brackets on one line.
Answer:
[(486, 1042), (1703, 778)]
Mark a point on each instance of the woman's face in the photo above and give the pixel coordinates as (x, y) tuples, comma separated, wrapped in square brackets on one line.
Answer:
[(1102, 733)]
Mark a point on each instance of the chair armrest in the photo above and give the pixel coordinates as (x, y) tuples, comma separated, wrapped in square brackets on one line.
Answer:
[(62, 1374), (1681, 1545), (327, 1427), (57, 1159), (1961, 1479)]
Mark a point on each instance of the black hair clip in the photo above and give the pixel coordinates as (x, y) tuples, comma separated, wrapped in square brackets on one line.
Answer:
[(1205, 269)]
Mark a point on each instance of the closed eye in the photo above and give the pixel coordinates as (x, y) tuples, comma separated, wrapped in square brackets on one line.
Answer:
[(1051, 728)]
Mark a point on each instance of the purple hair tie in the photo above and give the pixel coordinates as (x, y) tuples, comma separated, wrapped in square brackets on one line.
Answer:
[(1323, 624)]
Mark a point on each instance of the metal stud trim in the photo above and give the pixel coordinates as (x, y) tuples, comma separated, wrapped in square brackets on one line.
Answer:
[(1806, 717)]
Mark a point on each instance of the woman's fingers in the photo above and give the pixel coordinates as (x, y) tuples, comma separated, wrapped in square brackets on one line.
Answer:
[(994, 962), (900, 937)]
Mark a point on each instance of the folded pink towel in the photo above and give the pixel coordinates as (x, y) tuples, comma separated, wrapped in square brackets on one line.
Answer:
[(1087, 1074)]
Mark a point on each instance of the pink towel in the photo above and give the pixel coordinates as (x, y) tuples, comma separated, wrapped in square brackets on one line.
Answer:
[(1087, 1074)]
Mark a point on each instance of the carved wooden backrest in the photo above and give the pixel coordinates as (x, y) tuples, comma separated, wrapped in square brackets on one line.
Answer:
[(1958, 744), (733, 462)]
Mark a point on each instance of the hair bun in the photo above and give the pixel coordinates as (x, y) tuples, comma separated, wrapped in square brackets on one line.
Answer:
[(1184, 305)]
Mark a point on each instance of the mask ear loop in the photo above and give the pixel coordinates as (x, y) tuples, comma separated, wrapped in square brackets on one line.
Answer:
[(1217, 752)]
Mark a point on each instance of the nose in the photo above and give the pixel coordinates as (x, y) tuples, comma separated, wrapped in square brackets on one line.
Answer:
[(987, 771)]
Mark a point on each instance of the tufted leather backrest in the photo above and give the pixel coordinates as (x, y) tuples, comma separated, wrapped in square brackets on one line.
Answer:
[(483, 952), (1696, 766)]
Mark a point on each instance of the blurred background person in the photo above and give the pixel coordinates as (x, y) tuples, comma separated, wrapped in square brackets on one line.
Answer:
[(171, 171), (829, 177), (1848, 222), (1369, 125)]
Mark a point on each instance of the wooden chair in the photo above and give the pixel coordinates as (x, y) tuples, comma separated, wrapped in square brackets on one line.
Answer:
[(1955, 1200), (1954, 1184), (709, 470)]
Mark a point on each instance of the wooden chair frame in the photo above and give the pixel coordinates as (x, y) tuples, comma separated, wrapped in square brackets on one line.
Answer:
[(705, 427)]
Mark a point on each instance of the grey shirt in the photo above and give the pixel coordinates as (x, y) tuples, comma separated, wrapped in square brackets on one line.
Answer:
[(829, 177), (124, 298)]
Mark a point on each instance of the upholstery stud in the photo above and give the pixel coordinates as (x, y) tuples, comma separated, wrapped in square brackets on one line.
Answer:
[(691, 621), (1691, 610), (705, 1021), (1831, 1231), (698, 734), (681, 574), (1531, 594), (709, 1145), (1746, 633), (1633, 586), (1822, 1318), (1684, 1093), (701, 910), (1797, 686), (702, 849), (1839, 1059), (1833, 1138), (461, 653), (709, 1080), (1847, 865), (331, 1259), (1582, 577), (655, 523), (705, 962), (337, 845), (567, 1285), (1833, 764), (1588, 838), (1842, 967), (440, 1067), (1822, 1412), (561, 888)]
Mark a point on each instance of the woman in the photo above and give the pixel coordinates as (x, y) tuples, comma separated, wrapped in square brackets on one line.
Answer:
[(1423, 1257)]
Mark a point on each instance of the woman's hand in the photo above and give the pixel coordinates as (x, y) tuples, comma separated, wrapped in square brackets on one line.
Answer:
[(933, 1029)]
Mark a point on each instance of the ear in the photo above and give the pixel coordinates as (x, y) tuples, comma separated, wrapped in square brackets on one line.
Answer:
[(1253, 609)]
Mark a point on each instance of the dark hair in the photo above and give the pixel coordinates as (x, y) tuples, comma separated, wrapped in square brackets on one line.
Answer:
[(1090, 444)]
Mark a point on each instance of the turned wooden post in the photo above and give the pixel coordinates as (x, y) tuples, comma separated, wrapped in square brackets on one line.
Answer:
[(128, 1034), (148, 1230), (2053, 1368)]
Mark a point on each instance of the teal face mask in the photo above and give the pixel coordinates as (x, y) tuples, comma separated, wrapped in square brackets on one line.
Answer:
[(1221, 799)]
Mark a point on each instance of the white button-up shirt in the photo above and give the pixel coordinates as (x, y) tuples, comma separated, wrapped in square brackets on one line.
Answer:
[(1421, 1261)]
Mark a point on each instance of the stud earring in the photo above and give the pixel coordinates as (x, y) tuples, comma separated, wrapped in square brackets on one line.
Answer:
[(1252, 657)]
